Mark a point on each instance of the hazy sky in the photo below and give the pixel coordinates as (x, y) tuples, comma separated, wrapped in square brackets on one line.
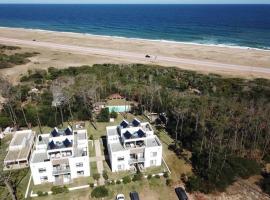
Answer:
[(140, 1)]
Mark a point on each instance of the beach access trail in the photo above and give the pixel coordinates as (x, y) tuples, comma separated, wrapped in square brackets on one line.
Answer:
[(137, 57)]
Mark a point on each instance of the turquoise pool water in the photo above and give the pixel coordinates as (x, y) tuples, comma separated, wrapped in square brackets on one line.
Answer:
[(119, 108)]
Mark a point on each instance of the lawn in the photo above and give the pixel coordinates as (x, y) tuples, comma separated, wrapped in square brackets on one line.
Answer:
[(153, 189), (176, 165), (91, 146), (82, 194)]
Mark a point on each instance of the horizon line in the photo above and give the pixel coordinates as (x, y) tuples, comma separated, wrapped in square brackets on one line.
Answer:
[(135, 3)]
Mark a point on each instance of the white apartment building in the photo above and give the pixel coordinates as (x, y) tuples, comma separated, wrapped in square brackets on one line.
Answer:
[(19, 150), (133, 146), (60, 157)]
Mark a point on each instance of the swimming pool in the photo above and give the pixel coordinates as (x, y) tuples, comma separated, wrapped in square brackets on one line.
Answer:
[(126, 108)]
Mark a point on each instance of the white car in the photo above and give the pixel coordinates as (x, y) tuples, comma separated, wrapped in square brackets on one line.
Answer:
[(120, 197)]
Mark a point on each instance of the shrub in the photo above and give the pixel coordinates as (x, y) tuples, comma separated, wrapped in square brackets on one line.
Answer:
[(137, 177), (149, 176), (169, 182), (91, 137), (126, 179), (100, 192), (96, 176), (104, 115), (113, 114), (265, 183), (105, 175), (157, 176), (113, 182), (59, 189), (166, 175), (91, 185), (118, 182), (193, 184), (42, 194)]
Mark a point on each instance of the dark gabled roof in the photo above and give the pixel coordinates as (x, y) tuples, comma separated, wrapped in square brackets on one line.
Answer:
[(141, 133), (127, 135), (67, 143), (54, 133), (124, 124), (136, 122), (68, 131), (52, 145)]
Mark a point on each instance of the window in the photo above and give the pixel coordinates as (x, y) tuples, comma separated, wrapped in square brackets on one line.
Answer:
[(44, 178), (80, 173), (121, 158), (42, 170), (79, 164), (119, 167), (153, 154), (153, 162)]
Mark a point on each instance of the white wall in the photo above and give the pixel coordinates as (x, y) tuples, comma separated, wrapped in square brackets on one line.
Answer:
[(35, 172), (149, 157), (73, 168), (124, 164)]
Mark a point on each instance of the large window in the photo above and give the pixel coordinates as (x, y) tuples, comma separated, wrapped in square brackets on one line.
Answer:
[(44, 179), (79, 164), (153, 154), (42, 170), (121, 158), (119, 167), (153, 162), (80, 173)]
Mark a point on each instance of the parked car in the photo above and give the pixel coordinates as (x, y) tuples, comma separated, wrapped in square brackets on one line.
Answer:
[(181, 194), (120, 197), (134, 196)]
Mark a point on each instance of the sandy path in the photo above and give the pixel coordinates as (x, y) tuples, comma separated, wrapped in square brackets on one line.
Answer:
[(99, 162), (139, 57)]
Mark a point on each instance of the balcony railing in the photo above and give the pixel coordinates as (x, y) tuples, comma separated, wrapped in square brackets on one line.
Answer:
[(58, 171), (136, 160)]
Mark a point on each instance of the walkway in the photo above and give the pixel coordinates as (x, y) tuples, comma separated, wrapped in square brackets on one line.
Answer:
[(99, 159)]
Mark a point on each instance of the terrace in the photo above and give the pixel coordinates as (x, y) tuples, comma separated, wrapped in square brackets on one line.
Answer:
[(58, 133), (19, 150), (60, 145)]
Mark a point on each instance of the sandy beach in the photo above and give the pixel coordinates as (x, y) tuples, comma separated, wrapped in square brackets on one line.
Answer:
[(58, 49)]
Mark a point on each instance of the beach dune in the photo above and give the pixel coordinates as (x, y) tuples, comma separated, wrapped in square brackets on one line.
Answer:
[(58, 49)]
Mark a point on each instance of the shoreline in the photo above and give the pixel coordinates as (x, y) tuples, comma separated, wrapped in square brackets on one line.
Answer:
[(266, 49)]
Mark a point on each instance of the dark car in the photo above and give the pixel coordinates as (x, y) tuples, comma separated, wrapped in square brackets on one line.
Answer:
[(181, 194), (134, 196), (147, 56)]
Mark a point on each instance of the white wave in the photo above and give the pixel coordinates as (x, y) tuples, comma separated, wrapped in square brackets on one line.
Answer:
[(200, 43)]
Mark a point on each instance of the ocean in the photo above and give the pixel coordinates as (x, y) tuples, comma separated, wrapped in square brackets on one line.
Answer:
[(246, 26)]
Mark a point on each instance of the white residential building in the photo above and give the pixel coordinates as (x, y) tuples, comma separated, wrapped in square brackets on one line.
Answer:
[(133, 146), (60, 157), (19, 150)]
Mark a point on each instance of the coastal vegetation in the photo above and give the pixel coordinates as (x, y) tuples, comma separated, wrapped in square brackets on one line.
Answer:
[(223, 122), (9, 59)]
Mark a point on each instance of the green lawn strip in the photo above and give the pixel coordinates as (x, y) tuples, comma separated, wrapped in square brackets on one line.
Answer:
[(91, 146), (76, 194), (93, 166)]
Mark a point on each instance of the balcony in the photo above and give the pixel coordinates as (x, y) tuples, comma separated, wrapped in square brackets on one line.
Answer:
[(136, 160), (61, 170)]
